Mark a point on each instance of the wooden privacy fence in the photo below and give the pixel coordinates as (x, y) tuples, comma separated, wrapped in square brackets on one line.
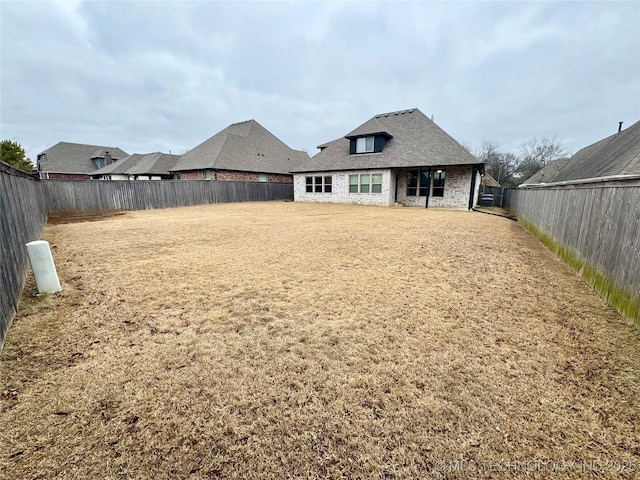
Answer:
[(102, 195), (595, 228), (25, 203), (22, 217)]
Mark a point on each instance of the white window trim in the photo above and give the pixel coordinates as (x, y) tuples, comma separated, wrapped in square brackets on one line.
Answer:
[(373, 144), (359, 184)]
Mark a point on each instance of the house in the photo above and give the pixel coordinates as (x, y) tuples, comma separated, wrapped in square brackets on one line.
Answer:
[(616, 157), (545, 174), (400, 157), (150, 166), (75, 161), (244, 151), (489, 181)]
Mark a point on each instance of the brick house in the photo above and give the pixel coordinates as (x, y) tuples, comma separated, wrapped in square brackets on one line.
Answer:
[(394, 158), (139, 166), (244, 151), (75, 161)]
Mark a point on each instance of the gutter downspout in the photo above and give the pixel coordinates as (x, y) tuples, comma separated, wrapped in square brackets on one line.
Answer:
[(474, 173), (426, 203)]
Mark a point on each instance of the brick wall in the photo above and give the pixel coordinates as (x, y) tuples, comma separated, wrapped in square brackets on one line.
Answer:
[(456, 189), (64, 176), (232, 176), (340, 189)]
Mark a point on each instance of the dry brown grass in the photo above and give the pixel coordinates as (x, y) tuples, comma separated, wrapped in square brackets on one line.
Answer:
[(286, 340)]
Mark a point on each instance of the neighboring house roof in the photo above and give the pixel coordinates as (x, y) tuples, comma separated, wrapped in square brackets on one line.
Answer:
[(244, 146), (415, 141), (65, 157), (141, 164), (548, 172), (618, 154), (489, 181), (120, 167)]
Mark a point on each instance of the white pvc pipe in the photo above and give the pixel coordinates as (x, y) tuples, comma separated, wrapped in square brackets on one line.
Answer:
[(43, 267)]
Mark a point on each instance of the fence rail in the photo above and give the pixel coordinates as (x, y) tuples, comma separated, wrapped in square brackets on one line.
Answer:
[(22, 217), (101, 195), (593, 227)]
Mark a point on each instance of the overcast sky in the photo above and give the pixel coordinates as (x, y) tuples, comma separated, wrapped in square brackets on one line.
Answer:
[(165, 76)]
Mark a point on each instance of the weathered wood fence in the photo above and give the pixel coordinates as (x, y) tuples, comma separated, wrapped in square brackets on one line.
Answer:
[(595, 228), (22, 217), (101, 195), (25, 203)]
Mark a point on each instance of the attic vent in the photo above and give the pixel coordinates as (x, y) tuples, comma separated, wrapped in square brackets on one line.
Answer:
[(410, 111), (403, 112), (386, 114), (396, 113), (377, 116)]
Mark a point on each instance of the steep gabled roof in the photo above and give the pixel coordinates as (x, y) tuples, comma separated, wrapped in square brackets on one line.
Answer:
[(489, 181), (416, 141), (65, 157), (140, 164), (245, 146), (618, 154)]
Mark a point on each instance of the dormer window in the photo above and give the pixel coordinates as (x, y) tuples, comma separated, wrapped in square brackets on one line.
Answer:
[(367, 143), (99, 161), (364, 144)]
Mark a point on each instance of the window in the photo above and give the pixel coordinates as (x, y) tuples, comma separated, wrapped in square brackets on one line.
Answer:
[(419, 181), (438, 183), (99, 161), (264, 177), (318, 184), (353, 183), (207, 174), (376, 183), (364, 145), (365, 183), (424, 183)]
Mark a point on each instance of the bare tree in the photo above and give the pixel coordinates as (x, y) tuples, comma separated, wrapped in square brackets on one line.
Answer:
[(502, 166), (537, 154)]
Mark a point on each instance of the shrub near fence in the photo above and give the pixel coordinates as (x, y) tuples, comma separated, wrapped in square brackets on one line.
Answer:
[(104, 195), (595, 228), (22, 218)]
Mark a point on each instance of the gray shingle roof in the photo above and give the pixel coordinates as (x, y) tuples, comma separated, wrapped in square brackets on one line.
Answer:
[(618, 154), (547, 174), (140, 164), (245, 146), (65, 157), (417, 141)]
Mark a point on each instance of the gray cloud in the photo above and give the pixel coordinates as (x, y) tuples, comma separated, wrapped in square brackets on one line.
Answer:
[(150, 76)]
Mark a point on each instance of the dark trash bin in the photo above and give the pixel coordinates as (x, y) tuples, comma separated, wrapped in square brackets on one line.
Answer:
[(486, 200)]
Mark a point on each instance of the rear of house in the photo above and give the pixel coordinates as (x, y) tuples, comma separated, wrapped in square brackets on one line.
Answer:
[(400, 157), (76, 161)]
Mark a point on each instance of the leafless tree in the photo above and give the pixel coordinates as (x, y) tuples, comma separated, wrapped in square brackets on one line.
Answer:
[(537, 154), (501, 166)]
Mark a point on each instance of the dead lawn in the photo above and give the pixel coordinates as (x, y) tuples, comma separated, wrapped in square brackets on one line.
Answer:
[(287, 340)]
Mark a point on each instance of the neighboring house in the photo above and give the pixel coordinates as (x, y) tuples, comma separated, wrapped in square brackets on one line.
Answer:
[(399, 157), (76, 161), (546, 174), (150, 166), (489, 181), (244, 151), (616, 157)]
